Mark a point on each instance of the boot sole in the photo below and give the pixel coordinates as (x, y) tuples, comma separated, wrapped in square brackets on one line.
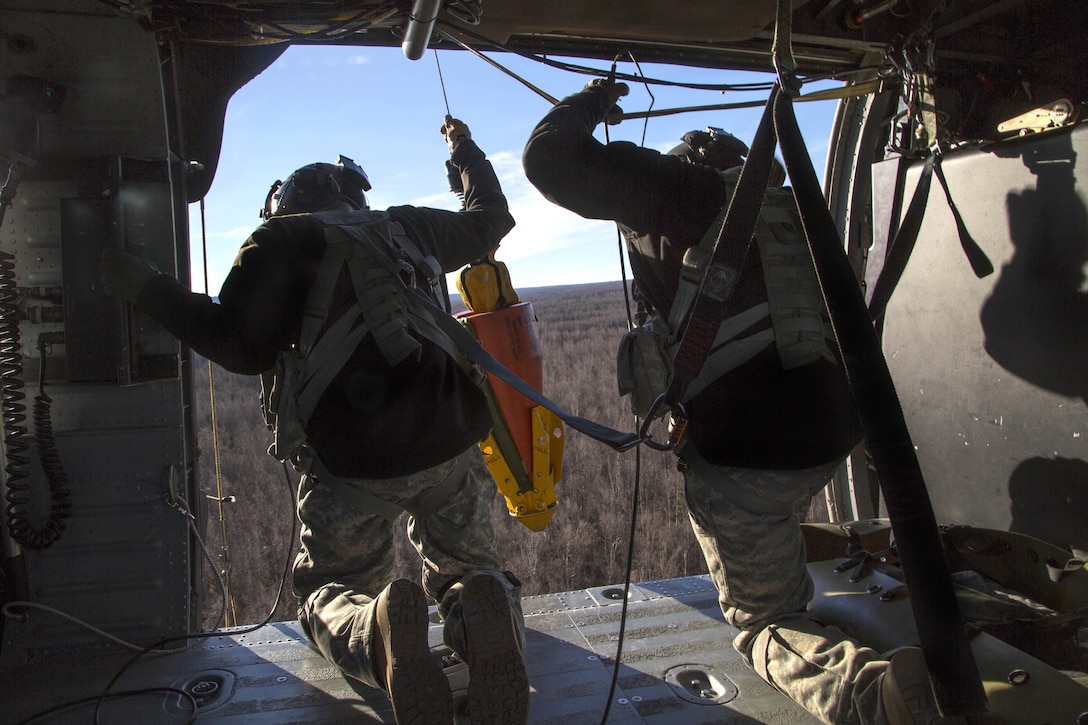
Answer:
[(417, 687), (498, 686)]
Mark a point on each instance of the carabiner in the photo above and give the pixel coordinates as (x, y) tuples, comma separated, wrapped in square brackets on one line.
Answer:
[(678, 424)]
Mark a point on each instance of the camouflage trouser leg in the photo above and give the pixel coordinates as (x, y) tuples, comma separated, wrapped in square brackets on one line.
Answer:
[(748, 525), (347, 556)]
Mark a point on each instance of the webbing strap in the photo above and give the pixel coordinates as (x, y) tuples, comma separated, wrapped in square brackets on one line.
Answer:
[(319, 298), (362, 501), (730, 250), (907, 234), (925, 568), (903, 243), (326, 360), (470, 347), (504, 439), (980, 263), (727, 353), (691, 458), (692, 270), (1058, 571)]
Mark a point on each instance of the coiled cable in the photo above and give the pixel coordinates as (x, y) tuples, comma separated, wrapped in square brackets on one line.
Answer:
[(20, 526), (12, 410), (49, 458)]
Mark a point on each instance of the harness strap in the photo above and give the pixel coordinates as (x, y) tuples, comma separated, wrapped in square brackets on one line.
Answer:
[(730, 250), (434, 497), (327, 358), (319, 299), (310, 465), (727, 353), (692, 270)]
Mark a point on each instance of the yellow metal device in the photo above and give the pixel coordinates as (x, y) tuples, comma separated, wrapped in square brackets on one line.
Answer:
[(524, 451), (531, 500)]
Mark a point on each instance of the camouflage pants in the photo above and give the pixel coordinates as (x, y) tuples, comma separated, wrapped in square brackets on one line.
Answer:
[(747, 523), (347, 558)]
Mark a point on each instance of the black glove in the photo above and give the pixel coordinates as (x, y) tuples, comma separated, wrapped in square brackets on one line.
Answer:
[(613, 92), (124, 275)]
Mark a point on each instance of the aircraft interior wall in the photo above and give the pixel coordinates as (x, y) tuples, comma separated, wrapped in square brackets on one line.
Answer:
[(991, 371), (97, 442)]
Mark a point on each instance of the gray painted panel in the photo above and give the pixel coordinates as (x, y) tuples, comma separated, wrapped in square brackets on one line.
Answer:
[(992, 373)]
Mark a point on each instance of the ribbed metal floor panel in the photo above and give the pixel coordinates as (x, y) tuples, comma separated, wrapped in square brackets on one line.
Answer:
[(678, 666)]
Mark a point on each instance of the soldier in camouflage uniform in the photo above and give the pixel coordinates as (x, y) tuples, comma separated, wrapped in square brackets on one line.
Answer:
[(385, 436), (772, 422)]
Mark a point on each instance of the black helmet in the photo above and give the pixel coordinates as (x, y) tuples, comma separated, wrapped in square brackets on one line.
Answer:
[(722, 150), (315, 186), (713, 147)]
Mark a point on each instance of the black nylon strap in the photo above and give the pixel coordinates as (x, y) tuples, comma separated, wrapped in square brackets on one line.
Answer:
[(932, 596), (980, 263), (727, 259), (903, 244)]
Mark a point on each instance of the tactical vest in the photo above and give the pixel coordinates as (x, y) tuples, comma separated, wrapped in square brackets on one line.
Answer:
[(800, 326), (398, 294)]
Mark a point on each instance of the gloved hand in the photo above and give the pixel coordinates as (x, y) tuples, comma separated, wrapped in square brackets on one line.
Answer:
[(613, 92), (124, 275), (454, 130)]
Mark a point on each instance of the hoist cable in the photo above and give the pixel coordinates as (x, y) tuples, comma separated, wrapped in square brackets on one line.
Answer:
[(863, 88), (220, 498), (587, 70), (507, 71), (618, 658), (442, 83)]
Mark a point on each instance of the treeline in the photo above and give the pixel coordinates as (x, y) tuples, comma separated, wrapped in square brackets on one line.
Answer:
[(584, 545)]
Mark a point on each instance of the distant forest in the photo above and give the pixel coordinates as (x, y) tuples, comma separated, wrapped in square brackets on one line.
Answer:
[(584, 545)]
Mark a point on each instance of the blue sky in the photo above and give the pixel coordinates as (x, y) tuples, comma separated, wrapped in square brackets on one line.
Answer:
[(383, 110)]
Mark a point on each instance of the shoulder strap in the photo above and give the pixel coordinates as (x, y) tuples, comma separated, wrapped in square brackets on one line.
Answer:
[(719, 278), (693, 268)]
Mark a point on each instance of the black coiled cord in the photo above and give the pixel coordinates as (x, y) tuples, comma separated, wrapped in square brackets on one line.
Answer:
[(49, 458), (20, 526)]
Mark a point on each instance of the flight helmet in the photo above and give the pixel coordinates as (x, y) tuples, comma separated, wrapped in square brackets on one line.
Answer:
[(721, 150), (316, 186), (713, 147)]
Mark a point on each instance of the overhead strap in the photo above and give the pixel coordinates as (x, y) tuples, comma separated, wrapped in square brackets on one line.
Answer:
[(902, 244), (470, 347), (958, 686), (905, 237)]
